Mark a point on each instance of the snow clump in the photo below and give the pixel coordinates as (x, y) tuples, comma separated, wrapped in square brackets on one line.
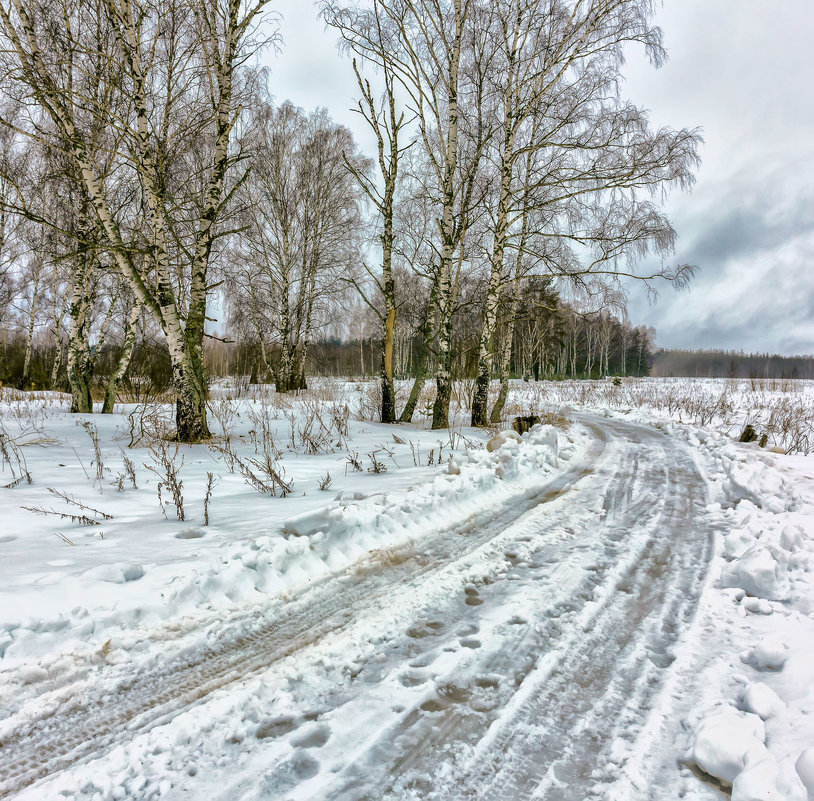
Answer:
[(767, 780), (500, 439), (757, 573), (768, 654), (762, 700), (727, 741)]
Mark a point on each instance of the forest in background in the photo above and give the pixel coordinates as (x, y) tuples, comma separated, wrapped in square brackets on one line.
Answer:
[(729, 364), (164, 218)]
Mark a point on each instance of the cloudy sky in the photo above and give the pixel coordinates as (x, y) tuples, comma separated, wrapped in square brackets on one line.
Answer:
[(743, 71)]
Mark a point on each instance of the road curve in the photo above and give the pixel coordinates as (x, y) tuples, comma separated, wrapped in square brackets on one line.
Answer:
[(543, 710), (525, 680)]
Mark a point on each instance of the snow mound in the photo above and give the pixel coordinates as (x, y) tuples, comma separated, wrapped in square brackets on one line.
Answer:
[(727, 741), (757, 573), (762, 701), (767, 780), (757, 482), (738, 543), (768, 654)]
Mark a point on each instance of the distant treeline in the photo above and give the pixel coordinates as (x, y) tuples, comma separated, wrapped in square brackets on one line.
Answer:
[(730, 364)]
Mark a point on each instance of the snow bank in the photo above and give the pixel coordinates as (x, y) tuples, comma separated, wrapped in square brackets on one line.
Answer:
[(765, 603), (118, 597)]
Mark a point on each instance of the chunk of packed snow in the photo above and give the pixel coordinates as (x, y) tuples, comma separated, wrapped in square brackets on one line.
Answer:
[(544, 435), (738, 543), (767, 780), (768, 654), (762, 700), (757, 573), (790, 537), (31, 674), (805, 770), (312, 521), (727, 741), (756, 482), (757, 606)]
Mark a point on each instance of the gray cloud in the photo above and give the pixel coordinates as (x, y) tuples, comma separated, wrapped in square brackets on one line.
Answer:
[(743, 72)]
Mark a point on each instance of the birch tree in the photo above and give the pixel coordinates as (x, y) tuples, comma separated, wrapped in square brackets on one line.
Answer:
[(597, 159), (430, 46), (368, 34), (178, 68), (302, 239)]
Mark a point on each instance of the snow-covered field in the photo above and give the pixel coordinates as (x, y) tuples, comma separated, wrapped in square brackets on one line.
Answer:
[(620, 606)]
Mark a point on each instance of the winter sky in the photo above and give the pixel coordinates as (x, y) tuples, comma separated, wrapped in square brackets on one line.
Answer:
[(741, 70)]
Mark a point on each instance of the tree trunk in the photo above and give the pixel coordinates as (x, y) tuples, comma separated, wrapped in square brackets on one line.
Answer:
[(190, 385), (80, 366), (32, 319), (388, 386), (506, 357), (55, 367), (282, 378), (443, 378), (389, 286), (480, 398), (123, 363), (422, 361)]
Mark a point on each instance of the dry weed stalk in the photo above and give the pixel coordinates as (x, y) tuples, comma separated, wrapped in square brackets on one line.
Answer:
[(81, 520), (147, 422), (265, 474), (98, 462), (165, 469), (210, 485), (13, 456), (69, 499)]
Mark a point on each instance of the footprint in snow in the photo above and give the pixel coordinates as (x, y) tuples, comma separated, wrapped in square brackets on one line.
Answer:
[(467, 629), (312, 737), (447, 695), (275, 728), (486, 697), (304, 766), (472, 597), (423, 660), (412, 679)]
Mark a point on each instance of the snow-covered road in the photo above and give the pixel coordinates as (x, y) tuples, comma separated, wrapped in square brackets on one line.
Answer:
[(519, 655)]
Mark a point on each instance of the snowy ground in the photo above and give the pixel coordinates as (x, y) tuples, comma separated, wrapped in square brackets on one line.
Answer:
[(619, 606)]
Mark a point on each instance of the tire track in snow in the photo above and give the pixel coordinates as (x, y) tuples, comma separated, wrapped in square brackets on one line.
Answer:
[(589, 672), (114, 706)]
